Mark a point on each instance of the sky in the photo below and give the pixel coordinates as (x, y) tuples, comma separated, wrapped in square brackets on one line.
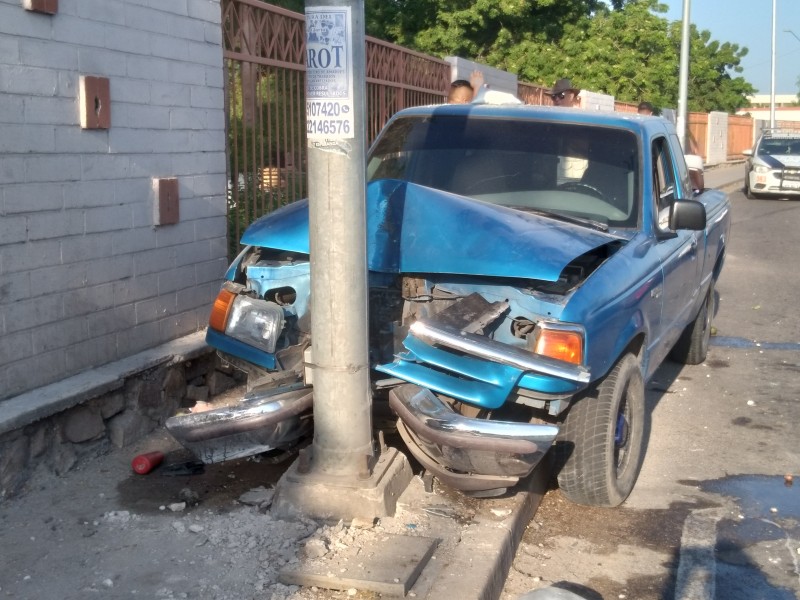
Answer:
[(748, 23)]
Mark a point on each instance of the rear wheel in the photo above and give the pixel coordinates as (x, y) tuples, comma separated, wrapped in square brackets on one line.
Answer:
[(692, 347), (601, 443)]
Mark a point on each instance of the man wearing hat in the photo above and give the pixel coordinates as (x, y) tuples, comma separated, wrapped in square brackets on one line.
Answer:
[(564, 94)]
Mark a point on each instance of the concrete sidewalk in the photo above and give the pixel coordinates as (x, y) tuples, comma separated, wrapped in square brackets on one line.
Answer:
[(725, 176)]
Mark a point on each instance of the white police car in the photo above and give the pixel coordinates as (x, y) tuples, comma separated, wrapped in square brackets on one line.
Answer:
[(773, 165)]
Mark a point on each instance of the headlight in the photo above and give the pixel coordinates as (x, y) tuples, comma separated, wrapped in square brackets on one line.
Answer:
[(250, 320), (761, 169), (558, 340)]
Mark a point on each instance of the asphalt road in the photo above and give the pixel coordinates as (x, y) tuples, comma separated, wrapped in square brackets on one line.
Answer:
[(712, 516)]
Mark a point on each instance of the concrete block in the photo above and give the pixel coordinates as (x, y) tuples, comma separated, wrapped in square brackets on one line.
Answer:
[(13, 229), (130, 90), (108, 269), (12, 107), (200, 297), (87, 247), (208, 141), (170, 47), (131, 290), (128, 427), (29, 81), (188, 29), (102, 62), (97, 350), (215, 77), (63, 458), (207, 97), (205, 10), (108, 218), (88, 300), (81, 425), (210, 271), (139, 338), (29, 256), (156, 260), (59, 278), (111, 320), (213, 34), (28, 139), (20, 23), (33, 371), (57, 168), (14, 286), (86, 194), (60, 334), (146, 68), (54, 111), (187, 118), (197, 393), (9, 49), (179, 234), (218, 383), (11, 167), (56, 224), (70, 139), (391, 573), (106, 11), (181, 324), (72, 29), (44, 53), (177, 279), (148, 19), (112, 404), (135, 115), (49, 196), (124, 39), (110, 166), (134, 191), (188, 255), (14, 457), (134, 240), (187, 73), (15, 346)]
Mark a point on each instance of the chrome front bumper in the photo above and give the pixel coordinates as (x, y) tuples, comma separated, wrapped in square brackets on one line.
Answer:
[(472, 455), (263, 420)]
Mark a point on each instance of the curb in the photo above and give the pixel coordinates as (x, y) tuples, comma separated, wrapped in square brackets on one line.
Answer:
[(481, 561)]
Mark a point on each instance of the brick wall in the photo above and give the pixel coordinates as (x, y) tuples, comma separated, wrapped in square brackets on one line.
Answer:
[(86, 277)]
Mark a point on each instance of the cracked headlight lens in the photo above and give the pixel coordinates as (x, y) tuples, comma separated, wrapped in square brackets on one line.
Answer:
[(255, 322)]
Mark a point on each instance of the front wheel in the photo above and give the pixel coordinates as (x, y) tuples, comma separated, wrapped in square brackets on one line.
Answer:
[(601, 443), (692, 347)]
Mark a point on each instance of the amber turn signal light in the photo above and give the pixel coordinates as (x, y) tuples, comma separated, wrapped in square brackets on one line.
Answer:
[(219, 312), (561, 345)]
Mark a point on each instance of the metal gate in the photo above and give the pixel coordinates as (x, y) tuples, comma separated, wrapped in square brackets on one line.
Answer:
[(264, 60)]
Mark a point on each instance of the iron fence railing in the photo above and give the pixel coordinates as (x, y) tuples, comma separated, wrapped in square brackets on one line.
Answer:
[(264, 56)]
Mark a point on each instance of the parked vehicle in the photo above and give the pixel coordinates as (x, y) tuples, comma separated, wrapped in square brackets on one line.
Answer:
[(529, 270), (772, 167)]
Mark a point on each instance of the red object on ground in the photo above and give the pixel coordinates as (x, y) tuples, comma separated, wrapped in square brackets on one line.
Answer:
[(144, 463)]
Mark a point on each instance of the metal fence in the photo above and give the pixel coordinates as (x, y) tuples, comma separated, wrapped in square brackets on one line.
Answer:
[(264, 58)]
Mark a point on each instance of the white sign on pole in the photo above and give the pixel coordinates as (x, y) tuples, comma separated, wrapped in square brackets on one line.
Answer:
[(329, 75)]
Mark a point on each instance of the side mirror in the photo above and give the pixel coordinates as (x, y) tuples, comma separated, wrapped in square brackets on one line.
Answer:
[(747, 152), (696, 168), (687, 214)]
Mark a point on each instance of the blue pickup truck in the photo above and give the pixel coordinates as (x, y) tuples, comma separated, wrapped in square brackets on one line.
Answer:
[(529, 270)]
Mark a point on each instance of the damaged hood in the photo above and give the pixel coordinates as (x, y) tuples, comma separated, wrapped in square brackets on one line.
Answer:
[(416, 229)]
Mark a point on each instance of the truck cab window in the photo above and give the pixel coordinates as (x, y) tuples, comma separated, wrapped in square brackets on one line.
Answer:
[(664, 184)]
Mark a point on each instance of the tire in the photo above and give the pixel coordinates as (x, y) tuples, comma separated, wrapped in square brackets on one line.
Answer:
[(692, 347), (747, 191), (601, 443)]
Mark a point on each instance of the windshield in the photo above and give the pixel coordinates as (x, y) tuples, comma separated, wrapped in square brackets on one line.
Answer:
[(779, 146), (564, 169)]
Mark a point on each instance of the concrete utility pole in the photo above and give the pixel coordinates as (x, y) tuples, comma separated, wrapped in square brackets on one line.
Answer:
[(772, 78), (683, 77), (341, 476)]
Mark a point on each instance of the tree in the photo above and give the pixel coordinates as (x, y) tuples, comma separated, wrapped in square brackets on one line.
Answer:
[(621, 47)]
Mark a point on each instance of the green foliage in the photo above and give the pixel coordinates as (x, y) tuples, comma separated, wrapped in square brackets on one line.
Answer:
[(624, 47)]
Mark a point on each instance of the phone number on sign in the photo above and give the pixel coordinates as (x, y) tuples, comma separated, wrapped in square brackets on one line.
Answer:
[(328, 126)]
